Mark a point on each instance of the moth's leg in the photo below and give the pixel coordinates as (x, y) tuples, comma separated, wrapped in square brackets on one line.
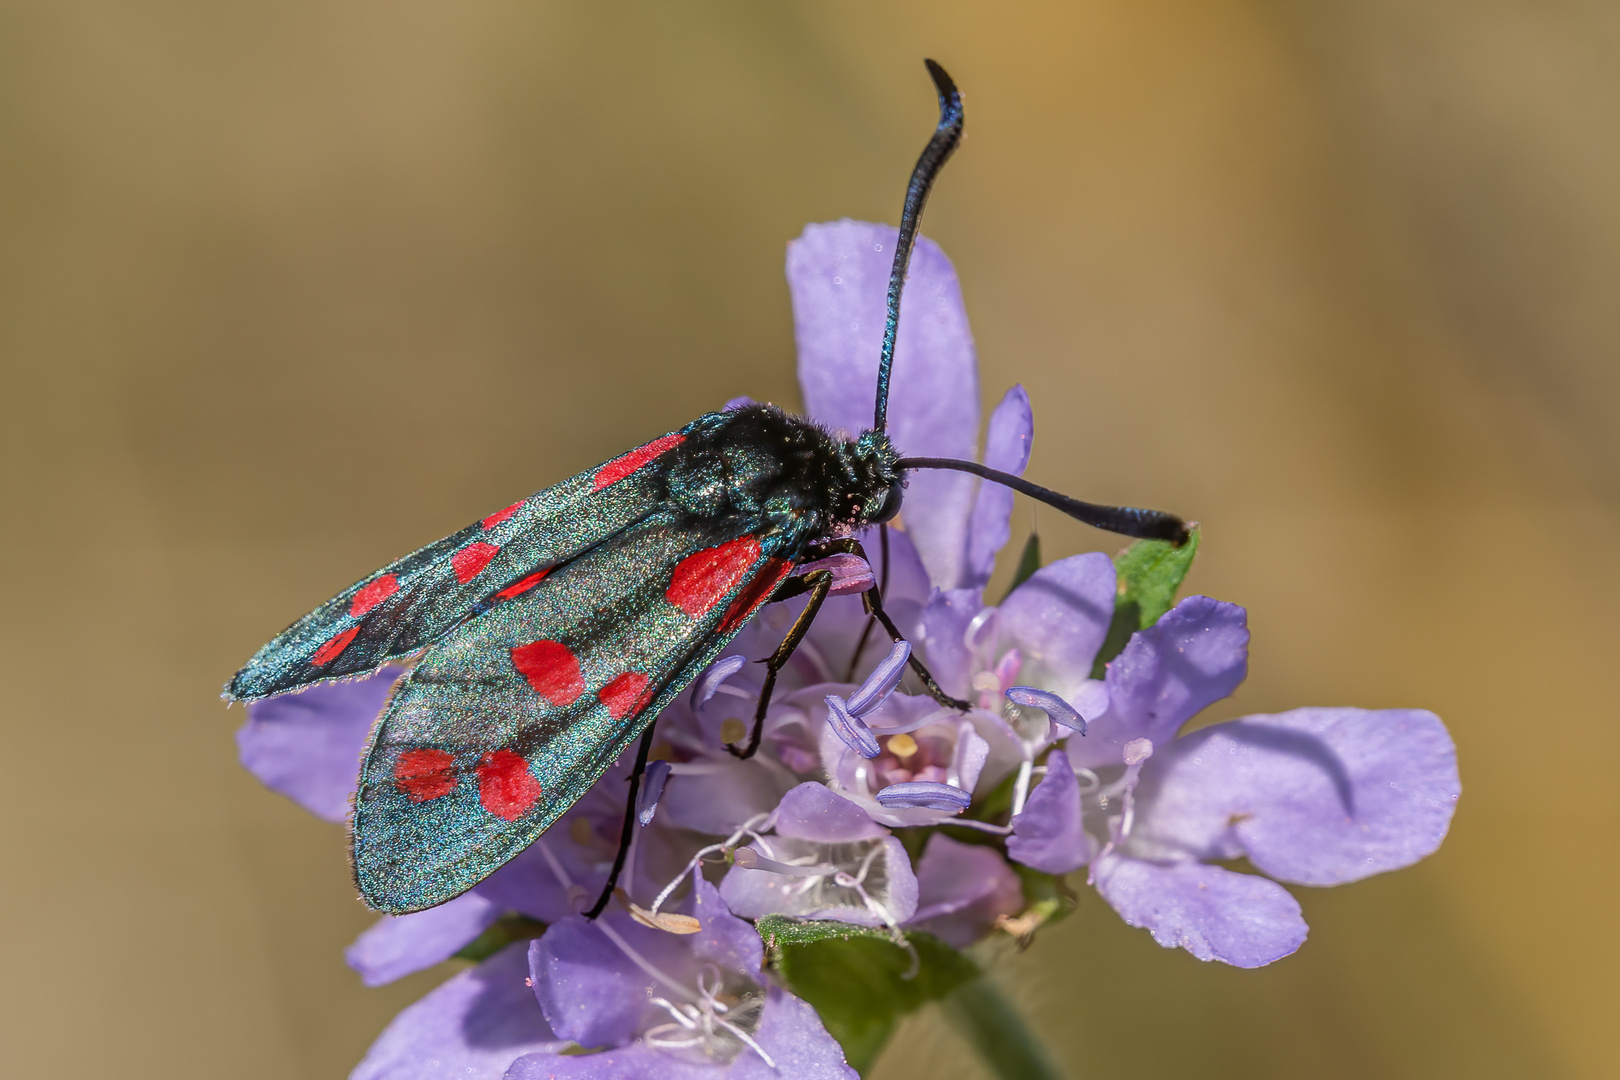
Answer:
[(628, 833), (874, 606), (873, 601), (817, 583), (871, 621)]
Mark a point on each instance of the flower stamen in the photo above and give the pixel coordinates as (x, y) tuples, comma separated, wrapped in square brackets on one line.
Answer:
[(881, 682)]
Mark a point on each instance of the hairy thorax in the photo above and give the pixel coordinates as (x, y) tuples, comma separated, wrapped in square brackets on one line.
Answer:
[(785, 472)]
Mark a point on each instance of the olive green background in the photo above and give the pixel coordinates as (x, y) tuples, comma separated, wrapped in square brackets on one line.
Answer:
[(289, 288)]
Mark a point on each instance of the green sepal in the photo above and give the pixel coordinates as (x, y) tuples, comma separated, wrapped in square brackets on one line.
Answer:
[(507, 929), (1029, 561), (854, 977), (1150, 572)]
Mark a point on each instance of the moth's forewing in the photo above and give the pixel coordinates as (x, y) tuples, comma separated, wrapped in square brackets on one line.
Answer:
[(412, 602), (511, 717)]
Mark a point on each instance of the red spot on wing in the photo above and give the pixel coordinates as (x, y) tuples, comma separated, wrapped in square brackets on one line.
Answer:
[(471, 559), (758, 591), (520, 587), (501, 515), (552, 670), (328, 652), (373, 594), (506, 787), (625, 694), (424, 774), (621, 467), (703, 578)]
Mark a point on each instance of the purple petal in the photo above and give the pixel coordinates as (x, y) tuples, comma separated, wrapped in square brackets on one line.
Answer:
[(717, 795), (738, 403), (529, 885), (1194, 656), (850, 573), (881, 683), (1314, 796), (1091, 700), (752, 893), (1048, 835), (961, 889), (634, 1062), (838, 274), (397, 945), (1240, 919), (1058, 710), (924, 793), (908, 579), (708, 683), (1012, 430), (724, 939), (789, 1031), (852, 729), (652, 788), (1059, 617), (972, 751), (794, 1036), (814, 812), (945, 623), (470, 1027), (589, 990), (307, 746)]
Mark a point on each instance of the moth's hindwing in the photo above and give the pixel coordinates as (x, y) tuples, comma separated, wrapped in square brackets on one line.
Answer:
[(409, 604), (511, 717)]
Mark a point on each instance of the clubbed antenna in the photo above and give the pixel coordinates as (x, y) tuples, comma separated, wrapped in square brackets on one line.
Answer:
[(1125, 520), (934, 156)]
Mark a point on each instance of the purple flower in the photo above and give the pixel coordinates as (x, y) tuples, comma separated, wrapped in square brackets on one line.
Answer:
[(687, 1007), (657, 1005), (472, 1027), (826, 859), (963, 890), (919, 741), (1320, 796)]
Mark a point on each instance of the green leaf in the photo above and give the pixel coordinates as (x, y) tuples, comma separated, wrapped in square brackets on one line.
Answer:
[(989, 1022), (1028, 562), (507, 929), (854, 977), (1150, 572)]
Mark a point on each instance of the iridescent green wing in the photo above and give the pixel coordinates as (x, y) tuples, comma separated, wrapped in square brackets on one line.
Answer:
[(511, 717), (410, 603)]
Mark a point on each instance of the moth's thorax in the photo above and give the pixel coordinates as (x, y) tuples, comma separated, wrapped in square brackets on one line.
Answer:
[(758, 461)]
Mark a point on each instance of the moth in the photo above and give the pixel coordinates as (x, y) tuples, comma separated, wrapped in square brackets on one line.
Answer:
[(550, 634)]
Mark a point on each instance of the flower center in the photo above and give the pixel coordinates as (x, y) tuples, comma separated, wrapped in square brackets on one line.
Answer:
[(905, 758)]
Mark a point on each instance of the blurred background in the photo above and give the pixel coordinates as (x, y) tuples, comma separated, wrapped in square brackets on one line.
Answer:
[(289, 289)]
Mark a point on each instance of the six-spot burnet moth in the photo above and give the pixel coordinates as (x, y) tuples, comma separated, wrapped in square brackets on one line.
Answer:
[(550, 634)]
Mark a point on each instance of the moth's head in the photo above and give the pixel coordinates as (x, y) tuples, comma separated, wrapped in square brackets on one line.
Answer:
[(882, 482)]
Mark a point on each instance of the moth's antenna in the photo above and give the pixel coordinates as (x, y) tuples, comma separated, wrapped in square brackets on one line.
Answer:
[(1125, 520), (934, 156)]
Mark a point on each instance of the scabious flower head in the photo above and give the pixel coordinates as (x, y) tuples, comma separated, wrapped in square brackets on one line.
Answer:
[(1311, 797), (672, 982)]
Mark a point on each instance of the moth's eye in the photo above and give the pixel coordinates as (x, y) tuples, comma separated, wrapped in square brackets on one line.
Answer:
[(891, 504)]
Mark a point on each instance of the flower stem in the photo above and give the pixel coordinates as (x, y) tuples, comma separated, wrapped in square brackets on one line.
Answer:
[(995, 1029)]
